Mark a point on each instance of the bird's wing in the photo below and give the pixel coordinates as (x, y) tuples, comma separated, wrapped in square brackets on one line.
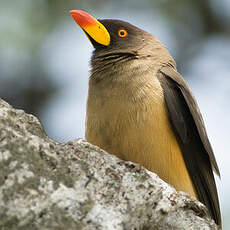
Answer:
[(188, 125)]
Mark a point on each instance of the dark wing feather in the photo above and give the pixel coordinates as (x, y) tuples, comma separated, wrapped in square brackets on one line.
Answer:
[(189, 128)]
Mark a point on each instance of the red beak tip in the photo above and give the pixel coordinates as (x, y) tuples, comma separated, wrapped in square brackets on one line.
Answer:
[(73, 12), (82, 18), (79, 13)]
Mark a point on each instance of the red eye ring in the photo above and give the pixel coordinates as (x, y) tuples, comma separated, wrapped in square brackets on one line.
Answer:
[(122, 33)]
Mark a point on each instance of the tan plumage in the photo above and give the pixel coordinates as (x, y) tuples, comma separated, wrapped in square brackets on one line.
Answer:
[(130, 121)]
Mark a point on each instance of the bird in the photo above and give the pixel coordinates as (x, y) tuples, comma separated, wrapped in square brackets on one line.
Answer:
[(140, 109)]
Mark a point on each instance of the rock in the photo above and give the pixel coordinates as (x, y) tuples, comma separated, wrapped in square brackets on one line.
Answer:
[(49, 185)]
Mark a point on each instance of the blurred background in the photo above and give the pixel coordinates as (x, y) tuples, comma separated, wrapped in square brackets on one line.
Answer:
[(44, 62)]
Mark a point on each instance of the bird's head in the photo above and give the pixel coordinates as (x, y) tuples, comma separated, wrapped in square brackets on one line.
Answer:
[(117, 41), (110, 34)]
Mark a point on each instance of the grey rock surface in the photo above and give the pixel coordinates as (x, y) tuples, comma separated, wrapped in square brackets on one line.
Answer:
[(49, 185)]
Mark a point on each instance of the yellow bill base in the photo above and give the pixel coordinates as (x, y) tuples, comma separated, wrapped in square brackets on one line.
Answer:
[(91, 26)]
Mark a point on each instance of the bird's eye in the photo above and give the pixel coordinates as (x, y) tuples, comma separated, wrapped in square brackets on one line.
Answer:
[(122, 33)]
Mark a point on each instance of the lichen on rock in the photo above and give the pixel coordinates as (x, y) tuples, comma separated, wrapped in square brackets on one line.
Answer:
[(49, 185)]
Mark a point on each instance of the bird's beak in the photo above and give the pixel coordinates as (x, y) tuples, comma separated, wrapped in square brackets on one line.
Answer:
[(91, 26)]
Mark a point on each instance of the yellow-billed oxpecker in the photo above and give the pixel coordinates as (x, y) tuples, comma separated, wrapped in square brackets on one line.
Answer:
[(140, 109)]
